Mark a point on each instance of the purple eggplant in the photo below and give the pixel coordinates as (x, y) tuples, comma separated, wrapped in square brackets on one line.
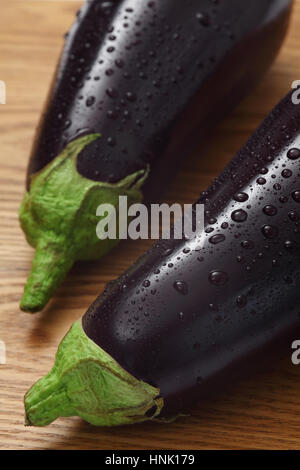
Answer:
[(137, 82), (192, 315)]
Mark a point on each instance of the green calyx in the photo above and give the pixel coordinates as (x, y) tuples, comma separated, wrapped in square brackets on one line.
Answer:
[(58, 217), (87, 382)]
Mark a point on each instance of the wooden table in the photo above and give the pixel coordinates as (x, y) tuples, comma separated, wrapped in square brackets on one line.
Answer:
[(260, 413)]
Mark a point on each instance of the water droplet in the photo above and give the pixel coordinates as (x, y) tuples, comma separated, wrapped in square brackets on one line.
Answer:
[(239, 215), (214, 307), (293, 154), (283, 199), (146, 283), (119, 63), (67, 124), (241, 197), (203, 19), (218, 278), (247, 244), (269, 231), (181, 287), (286, 173), (293, 216), (290, 245), (241, 301), (217, 239), (261, 181), (112, 92), (296, 196), (112, 114), (111, 141), (168, 252), (131, 96), (270, 210), (90, 101)]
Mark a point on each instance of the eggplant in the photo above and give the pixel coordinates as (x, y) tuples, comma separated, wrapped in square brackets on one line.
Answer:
[(136, 83), (192, 315)]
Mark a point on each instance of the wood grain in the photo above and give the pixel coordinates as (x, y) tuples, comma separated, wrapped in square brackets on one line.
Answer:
[(259, 413)]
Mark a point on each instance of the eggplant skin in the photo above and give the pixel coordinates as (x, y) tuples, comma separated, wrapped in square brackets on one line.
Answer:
[(191, 315), (147, 76)]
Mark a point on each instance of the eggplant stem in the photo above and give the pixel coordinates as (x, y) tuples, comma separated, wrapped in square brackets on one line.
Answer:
[(59, 218), (87, 382), (50, 265)]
